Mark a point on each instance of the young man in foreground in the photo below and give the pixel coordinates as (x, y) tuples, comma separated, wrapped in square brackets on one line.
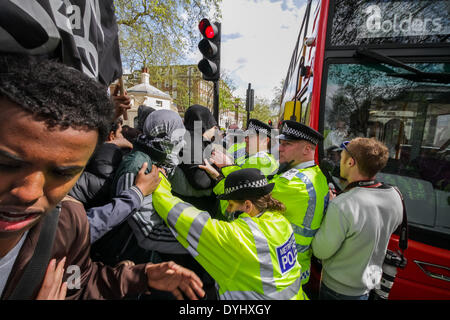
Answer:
[(52, 119)]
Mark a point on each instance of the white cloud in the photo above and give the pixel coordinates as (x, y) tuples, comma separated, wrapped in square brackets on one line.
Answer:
[(258, 40)]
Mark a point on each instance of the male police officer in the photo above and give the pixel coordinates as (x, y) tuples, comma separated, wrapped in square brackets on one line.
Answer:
[(257, 142), (235, 145), (302, 187), (257, 146), (251, 257)]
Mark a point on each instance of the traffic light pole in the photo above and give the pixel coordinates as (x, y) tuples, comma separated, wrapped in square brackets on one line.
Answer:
[(216, 101), (249, 101)]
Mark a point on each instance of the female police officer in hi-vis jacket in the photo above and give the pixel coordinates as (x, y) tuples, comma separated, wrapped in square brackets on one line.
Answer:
[(251, 257)]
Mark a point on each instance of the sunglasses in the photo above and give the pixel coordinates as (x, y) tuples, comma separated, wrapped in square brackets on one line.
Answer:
[(344, 146)]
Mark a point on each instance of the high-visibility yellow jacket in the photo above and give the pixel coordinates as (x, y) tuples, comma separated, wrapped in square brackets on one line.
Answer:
[(249, 258), (237, 152), (304, 192)]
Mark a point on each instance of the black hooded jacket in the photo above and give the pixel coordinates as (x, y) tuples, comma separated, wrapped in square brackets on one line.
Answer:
[(198, 178), (93, 186)]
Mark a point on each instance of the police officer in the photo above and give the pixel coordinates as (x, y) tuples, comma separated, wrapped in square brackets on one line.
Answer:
[(251, 257), (257, 146), (234, 144), (257, 141), (301, 187)]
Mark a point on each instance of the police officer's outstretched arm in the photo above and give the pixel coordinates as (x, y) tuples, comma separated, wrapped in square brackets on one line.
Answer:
[(214, 244)]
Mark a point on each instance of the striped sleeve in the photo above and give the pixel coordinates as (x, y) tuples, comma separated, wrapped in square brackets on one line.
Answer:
[(201, 235)]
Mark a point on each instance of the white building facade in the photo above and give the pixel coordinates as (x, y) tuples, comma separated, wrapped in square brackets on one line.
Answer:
[(146, 94)]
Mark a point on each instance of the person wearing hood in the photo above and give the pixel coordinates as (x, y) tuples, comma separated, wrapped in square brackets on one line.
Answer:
[(144, 236), (160, 142), (201, 133), (201, 127), (142, 114)]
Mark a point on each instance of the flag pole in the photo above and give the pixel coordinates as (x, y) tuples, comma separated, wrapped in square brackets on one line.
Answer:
[(122, 92)]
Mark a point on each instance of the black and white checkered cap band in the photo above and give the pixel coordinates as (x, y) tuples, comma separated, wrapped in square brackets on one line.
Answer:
[(254, 184), (252, 126), (298, 134)]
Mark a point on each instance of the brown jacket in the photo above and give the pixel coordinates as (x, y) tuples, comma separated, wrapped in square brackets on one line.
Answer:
[(72, 241)]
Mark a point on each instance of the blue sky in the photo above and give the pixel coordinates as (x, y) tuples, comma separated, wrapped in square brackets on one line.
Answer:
[(258, 37)]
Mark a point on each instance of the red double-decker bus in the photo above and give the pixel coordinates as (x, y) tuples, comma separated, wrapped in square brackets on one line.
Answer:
[(378, 68)]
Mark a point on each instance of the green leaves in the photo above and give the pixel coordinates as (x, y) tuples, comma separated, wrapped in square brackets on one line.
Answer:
[(160, 32)]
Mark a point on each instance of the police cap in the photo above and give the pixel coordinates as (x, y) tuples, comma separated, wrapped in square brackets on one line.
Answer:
[(246, 184), (257, 126), (292, 130)]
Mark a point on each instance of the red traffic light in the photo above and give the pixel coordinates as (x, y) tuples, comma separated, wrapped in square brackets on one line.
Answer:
[(209, 32), (209, 46), (207, 29)]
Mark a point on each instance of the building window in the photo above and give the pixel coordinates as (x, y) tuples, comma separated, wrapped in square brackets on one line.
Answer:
[(174, 94), (174, 83), (159, 103), (166, 83)]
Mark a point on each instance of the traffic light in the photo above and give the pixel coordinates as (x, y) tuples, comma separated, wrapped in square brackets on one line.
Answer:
[(209, 46)]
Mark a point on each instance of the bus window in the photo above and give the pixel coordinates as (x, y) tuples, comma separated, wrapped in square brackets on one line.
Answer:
[(376, 22), (412, 118)]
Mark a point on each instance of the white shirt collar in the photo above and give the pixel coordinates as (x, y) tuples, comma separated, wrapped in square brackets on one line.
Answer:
[(304, 165)]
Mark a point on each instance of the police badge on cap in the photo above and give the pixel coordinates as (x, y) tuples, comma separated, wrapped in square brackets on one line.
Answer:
[(292, 130), (246, 184), (256, 127)]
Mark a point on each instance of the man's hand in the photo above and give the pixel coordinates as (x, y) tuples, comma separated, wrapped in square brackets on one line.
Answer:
[(147, 183), (210, 170), (168, 276), (121, 102), (52, 287), (220, 159), (122, 143), (331, 194)]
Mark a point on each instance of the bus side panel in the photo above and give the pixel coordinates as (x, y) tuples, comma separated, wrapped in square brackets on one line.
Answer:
[(412, 282), (411, 290), (318, 64)]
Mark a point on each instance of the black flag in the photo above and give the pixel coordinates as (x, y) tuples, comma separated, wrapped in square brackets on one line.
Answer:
[(80, 33)]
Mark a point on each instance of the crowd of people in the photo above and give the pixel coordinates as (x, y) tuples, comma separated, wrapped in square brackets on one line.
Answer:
[(170, 210)]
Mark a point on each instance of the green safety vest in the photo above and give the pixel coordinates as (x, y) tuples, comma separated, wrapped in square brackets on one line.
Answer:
[(262, 160), (249, 258), (304, 192), (237, 152)]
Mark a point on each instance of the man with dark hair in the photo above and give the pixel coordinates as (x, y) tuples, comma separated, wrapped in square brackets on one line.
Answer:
[(52, 119), (353, 238)]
